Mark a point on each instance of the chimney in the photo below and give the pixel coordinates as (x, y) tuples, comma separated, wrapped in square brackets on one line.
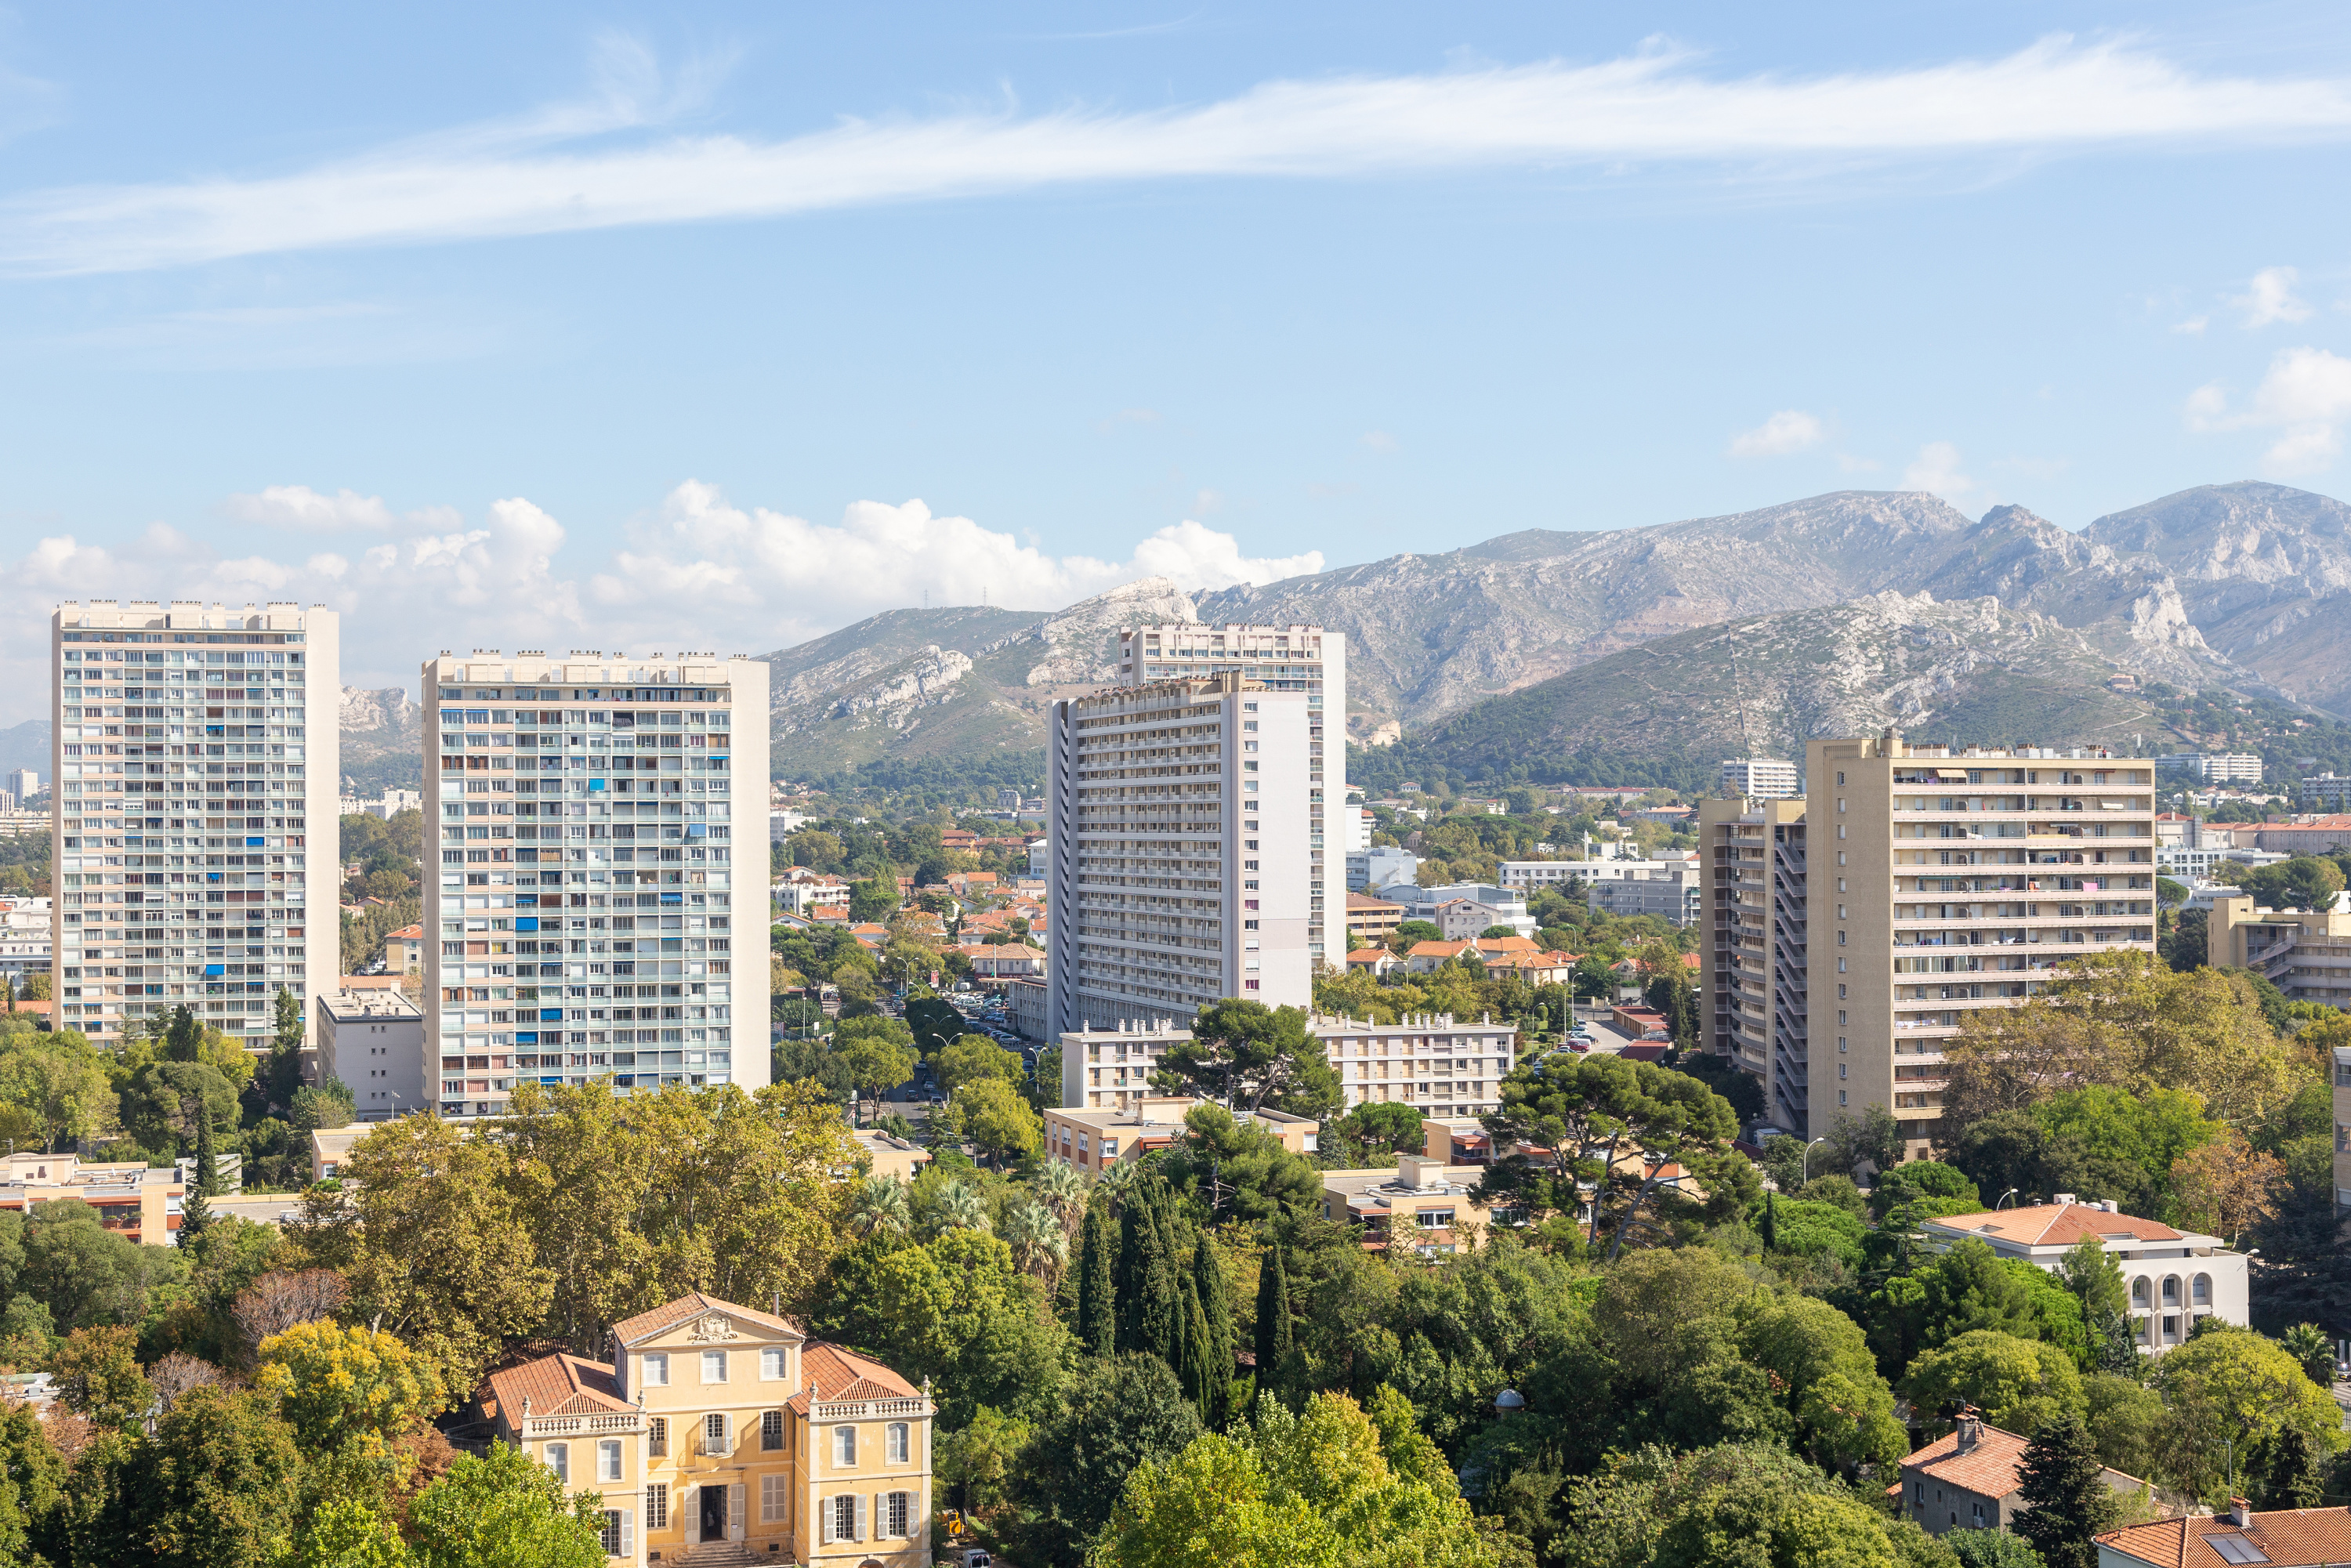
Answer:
[(1971, 1428), (2064, 1198), (2241, 1513)]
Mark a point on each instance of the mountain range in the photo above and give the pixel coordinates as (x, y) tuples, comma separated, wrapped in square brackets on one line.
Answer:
[(1838, 612)]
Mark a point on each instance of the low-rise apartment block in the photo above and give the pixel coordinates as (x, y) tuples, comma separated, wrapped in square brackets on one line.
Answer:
[(1759, 778), (1421, 1206), (24, 931), (1095, 1140), (2304, 954), (1485, 903), (720, 1430), (373, 1041), (1846, 934), (1443, 1066), (2216, 766), (1373, 919), (1666, 889), (136, 1201)]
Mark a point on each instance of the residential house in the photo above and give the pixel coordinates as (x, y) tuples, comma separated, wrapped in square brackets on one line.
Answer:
[(2307, 955), (2280, 1538), (330, 1147), (1970, 1478), (801, 892), (1375, 961), (1536, 968), (1422, 957), (2171, 1277), (1498, 906), (1003, 961), (405, 949), (135, 1201), (718, 1425), (890, 1156), (1093, 1141), (1420, 1205)]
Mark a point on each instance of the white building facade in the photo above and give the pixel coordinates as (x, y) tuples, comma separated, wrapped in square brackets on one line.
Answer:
[(374, 1043), (1305, 660), (195, 752), (1768, 777), (2170, 1277), (1179, 816), (580, 905), (1435, 1062)]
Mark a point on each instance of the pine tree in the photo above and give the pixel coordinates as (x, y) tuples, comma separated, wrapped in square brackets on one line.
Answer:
[(2067, 1498), (1215, 1330), (1097, 1296), (1771, 1222), (1273, 1340)]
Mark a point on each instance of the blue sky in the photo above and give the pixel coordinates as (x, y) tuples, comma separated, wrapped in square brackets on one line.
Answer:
[(537, 326)]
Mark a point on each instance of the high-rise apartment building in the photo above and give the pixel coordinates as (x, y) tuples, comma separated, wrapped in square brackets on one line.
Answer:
[(1181, 833), (1305, 659), (1764, 778), (578, 905), (194, 750), (1846, 937)]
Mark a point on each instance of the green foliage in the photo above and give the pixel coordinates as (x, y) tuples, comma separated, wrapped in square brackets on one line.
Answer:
[(1810, 1230), (85, 1274), (99, 1375), (216, 1485), (2017, 1383), (336, 1384), (2302, 882), (328, 1104), (2067, 1498), (994, 1117), (1724, 1077), (1249, 1056), (1374, 1132), (505, 1508), (1742, 1503), (1239, 1170), (1991, 1549), (955, 1309), (1115, 1417)]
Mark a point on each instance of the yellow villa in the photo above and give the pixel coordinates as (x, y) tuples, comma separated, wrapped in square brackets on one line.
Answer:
[(719, 1435)]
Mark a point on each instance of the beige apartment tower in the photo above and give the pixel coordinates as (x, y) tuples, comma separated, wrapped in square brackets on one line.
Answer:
[(579, 899), (194, 749), (1927, 883)]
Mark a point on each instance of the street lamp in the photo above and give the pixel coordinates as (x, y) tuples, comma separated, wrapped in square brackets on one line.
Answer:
[(2003, 1200), (1807, 1166)]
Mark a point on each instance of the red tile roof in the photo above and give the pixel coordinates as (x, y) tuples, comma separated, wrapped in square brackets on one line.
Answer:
[(559, 1384), (2056, 1225), (668, 1315), (1987, 1469), (2287, 1538), (836, 1372)]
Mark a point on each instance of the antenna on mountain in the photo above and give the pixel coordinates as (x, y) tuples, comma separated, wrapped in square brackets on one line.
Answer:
[(1739, 692)]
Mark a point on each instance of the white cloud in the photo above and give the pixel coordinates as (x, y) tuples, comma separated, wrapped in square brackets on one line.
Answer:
[(2194, 327), (696, 572), (518, 176), (1850, 463), (2306, 397), (1790, 430), (1937, 468), (2270, 299)]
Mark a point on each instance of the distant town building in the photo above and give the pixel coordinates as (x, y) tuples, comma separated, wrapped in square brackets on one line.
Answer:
[(2306, 955), (1495, 905), (2214, 766), (1529, 876), (1370, 868), (1667, 889), (1762, 777), (1417, 1207), (2170, 1277), (24, 783), (1095, 1139), (1444, 1067), (25, 948), (1373, 919), (373, 1041)]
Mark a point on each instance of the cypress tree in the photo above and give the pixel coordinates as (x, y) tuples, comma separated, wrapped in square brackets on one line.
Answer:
[(195, 1214), (1097, 1297), (2296, 1473), (1193, 1365), (1215, 1330), (1771, 1222), (2060, 1480), (1161, 1306), (1273, 1340)]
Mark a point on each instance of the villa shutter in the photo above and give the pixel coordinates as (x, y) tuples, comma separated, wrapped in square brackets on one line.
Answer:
[(735, 1511), (628, 1533), (824, 1520), (861, 1516)]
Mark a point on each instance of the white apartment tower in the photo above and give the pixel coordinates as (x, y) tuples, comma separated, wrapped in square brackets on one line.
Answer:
[(579, 908), (1305, 659), (1761, 777), (1181, 831), (194, 750), (1848, 934)]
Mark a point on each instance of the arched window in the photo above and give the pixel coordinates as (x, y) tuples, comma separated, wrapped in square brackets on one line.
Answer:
[(2139, 1292), (2171, 1289), (2199, 1291)]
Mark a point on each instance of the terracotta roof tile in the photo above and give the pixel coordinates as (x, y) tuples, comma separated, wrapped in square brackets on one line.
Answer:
[(668, 1315), (2287, 1538), (837, 1372), (558, 1385), (2055, 1225), (1988, 1468)]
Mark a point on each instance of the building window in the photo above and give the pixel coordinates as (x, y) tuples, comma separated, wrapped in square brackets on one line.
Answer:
[(657, 1439), (611, 1533), (844, 1447), (772, 1365), (657, 1507), (844, 1518), (656, 1371), (607, 1460), (714, 1366), (771, 1430), (895, 1442), (558, 1459), (714, 1433), (893, 1515)]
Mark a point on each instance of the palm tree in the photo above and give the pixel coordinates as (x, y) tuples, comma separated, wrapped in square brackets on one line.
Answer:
[(961, 1208), (1061, 1189), (1118, 1178), (1040, 1245), (879, 1202), (2307, 1343)]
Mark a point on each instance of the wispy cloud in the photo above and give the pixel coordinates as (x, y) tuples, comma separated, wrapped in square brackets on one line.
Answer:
[(1790, 430), (2306, 397), (1937, 468), (2270, 299), (508, 179)]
